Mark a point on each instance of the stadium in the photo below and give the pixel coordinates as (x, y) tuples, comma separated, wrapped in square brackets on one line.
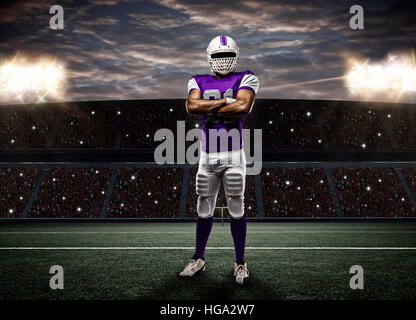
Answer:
[(80, 188), (109, 109)]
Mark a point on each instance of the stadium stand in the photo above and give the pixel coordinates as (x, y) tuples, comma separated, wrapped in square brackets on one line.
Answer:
[(296, 192), (146, 192), (287, 125), (250, 202), (17, 184), (402, 122), (22, 128), (371, 192), (157, 191), (71, 192), (88, 127), (410, 176), (354, 125), (144, 120)]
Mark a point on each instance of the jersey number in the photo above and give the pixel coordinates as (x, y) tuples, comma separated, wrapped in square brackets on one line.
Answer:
[(215, 94)]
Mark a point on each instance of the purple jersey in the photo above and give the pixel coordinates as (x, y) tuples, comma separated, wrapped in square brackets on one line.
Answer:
[(226, 87)]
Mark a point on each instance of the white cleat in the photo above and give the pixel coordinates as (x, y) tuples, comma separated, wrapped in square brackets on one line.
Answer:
[(193, 267), (240, 273)]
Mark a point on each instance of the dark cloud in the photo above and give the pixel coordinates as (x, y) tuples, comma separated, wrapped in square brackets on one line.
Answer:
[(148, 49)]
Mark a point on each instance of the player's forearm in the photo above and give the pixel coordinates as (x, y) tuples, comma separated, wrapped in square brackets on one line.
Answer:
[(234, 109), (203, 107)]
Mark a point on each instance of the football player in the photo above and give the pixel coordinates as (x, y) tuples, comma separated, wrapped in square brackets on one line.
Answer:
[(221, 99)]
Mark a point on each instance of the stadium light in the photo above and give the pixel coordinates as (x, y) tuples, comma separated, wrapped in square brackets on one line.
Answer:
[(27, 80), (393, 76)]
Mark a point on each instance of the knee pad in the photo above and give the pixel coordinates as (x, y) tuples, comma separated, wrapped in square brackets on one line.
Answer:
[(205, 207), (235, 206), (234, 182), (203, 185)]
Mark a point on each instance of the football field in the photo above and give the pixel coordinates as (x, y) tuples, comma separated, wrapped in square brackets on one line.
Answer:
[(142, 261)]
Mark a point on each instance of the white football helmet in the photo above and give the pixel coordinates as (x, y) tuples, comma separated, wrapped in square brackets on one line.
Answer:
[(223, 54)]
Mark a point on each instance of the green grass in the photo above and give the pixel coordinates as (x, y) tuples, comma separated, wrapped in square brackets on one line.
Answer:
[(153, 274)]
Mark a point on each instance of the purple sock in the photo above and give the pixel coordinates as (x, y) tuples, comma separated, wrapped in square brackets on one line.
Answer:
[(203, 229), (238, 231)]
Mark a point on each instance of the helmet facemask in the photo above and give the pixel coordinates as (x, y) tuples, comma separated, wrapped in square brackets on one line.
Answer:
[(223, 62)]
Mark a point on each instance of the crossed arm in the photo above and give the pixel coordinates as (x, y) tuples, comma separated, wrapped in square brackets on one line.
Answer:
[(197, 106)]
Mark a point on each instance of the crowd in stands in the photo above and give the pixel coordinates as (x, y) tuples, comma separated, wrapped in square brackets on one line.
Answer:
[(25, 128), (71, 193), (296, 192), (403, 124), (146, 192), (355, 125), (16, 186), (287, 125), (371, 192), (410, 176), (250, 202), (284, 124), (156, 192), (88, 127), (142, 122)]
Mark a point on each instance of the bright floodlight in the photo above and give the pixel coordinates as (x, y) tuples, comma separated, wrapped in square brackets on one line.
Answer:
[(394, 76), (33, 81)]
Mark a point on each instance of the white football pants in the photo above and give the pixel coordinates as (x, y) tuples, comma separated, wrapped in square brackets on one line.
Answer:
[(228, 167)]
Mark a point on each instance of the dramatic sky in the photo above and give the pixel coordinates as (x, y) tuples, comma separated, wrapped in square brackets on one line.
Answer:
[(149, 49)]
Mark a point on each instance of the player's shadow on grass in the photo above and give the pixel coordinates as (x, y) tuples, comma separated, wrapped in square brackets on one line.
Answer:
[(203, 287)]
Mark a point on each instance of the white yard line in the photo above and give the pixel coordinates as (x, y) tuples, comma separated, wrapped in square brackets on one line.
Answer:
[(208, 248), (192, 232), (249, 227)]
